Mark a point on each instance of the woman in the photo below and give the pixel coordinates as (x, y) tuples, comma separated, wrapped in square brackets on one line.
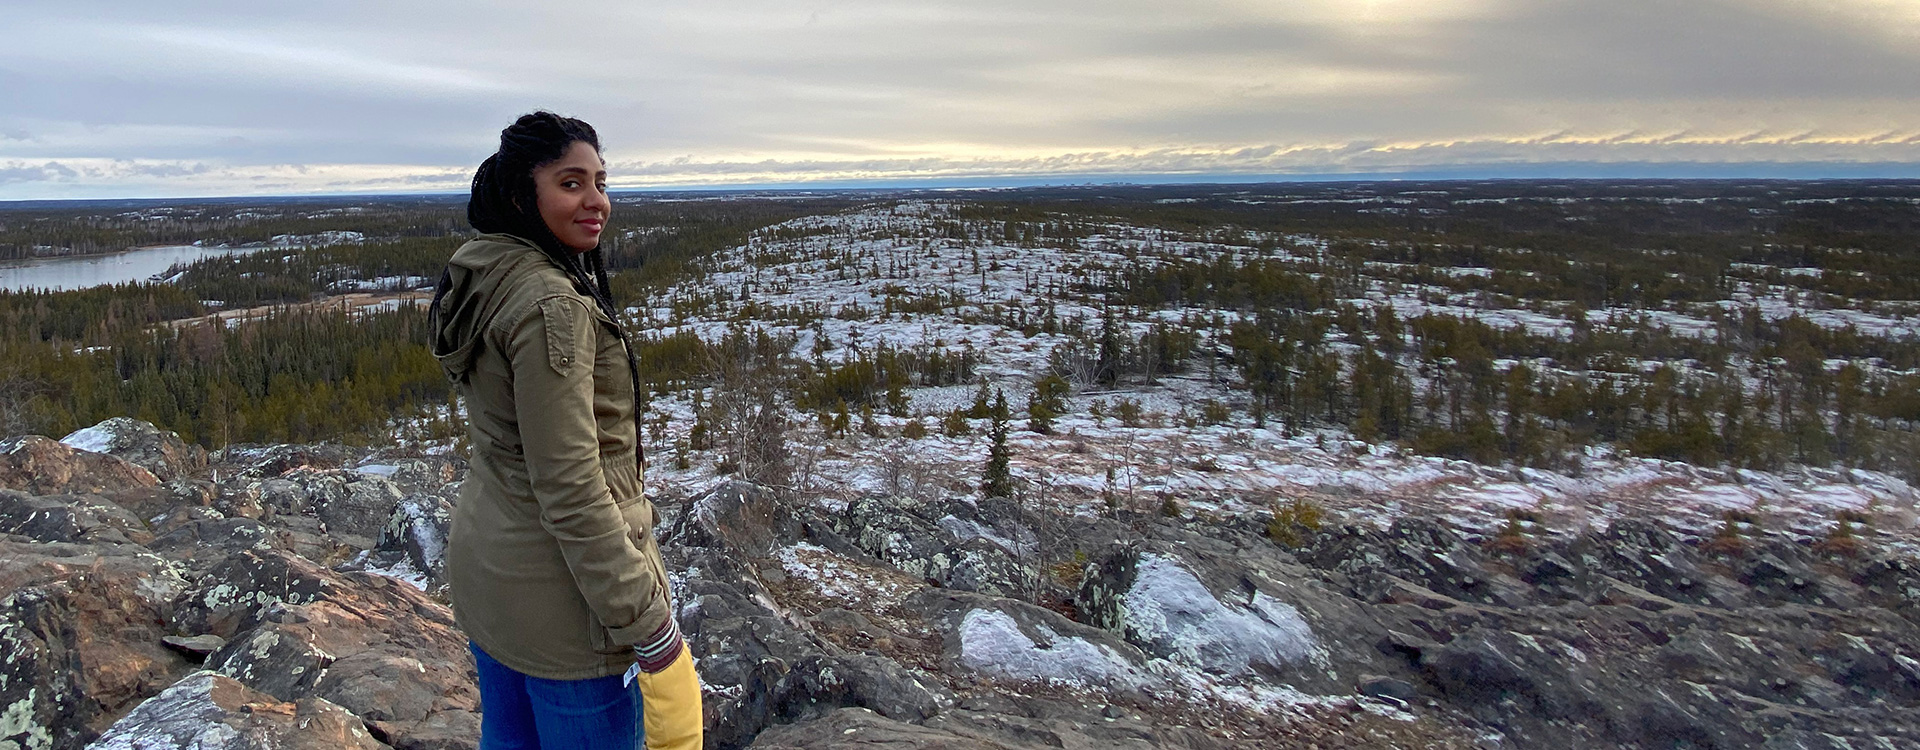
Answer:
[(554, 573)]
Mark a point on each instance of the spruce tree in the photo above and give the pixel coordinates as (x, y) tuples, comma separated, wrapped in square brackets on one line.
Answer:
[(981, 408), (997, 480), (1047, 401)]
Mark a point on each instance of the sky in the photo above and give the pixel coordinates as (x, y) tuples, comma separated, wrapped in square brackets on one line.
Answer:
[(144, 99)]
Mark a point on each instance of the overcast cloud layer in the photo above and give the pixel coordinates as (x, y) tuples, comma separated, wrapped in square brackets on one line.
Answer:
[(101, 99)]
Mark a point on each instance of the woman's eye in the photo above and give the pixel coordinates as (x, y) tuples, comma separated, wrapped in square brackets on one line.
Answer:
[(570, 184)]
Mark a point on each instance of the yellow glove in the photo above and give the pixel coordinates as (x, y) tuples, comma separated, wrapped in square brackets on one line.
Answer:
[(671, 704)]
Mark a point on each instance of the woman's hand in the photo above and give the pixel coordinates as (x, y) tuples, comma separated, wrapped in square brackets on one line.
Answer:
[(671, 698)]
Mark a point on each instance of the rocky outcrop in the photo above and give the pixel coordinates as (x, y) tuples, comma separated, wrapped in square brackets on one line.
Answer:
[(983, 730), (42, 466), (413, 543), (978, 546), (81, 627), (289, 596), (765, 663), (378, 647), (1633, 636), (70, 518), (159, 451), (207, 711), (115, 587)]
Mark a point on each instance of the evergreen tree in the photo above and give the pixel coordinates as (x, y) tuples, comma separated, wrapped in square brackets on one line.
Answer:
[(982, 407), (997, 480), (1047, 401)]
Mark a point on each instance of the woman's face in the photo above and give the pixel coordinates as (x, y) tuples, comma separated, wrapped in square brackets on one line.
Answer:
[(572, 193)]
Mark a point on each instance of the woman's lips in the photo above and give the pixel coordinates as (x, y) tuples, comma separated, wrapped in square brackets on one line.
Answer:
[(591, 225)]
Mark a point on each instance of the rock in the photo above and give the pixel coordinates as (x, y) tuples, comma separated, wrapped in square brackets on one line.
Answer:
[(739, 516), (208, 711), (384, 651), (1068, 724), (1019, 642), (265, 461), (983, 566), (992, 642), (203, 542), (354, 507), (360, 515), (1052, 725), (154, 504), (1159, 605), (42, 466), (422, 475), (1388, 687), (240, 500), (1418, 550), (81, 628), (394, 687), (764, 671), (1646, 554), (809, 622), (413, 544), (962, 546), (307, 537), (854, 630), (230, 597), (861, 728), (196, 647), (1780, 575), (159, 451), (443, 730), (69, 518), (273, 659), (282, 497), (890, 530), (1483, 667)]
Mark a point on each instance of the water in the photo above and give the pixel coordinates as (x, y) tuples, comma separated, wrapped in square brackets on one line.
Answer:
[(97, 270)]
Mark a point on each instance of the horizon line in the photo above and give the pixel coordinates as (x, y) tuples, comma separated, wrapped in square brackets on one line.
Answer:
[(1807, 172)]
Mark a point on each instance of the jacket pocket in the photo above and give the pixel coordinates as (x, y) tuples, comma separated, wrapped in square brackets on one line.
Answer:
[(598, 638)]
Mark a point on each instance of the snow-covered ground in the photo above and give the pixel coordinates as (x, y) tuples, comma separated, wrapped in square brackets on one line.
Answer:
[(839, 273)]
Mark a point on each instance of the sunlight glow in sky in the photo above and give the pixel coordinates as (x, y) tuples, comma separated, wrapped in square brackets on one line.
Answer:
[(110, 99)]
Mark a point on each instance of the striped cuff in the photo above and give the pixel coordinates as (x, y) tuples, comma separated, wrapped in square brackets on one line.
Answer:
[(660, 649)]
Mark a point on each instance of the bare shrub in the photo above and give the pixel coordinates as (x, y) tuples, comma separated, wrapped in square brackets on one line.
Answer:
[(747, 422)]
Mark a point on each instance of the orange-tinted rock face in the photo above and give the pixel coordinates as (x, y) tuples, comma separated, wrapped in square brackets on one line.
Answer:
[(43, 466)]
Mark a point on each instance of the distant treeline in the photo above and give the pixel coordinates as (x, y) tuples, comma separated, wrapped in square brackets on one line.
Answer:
[(69, 359), (26, 233)]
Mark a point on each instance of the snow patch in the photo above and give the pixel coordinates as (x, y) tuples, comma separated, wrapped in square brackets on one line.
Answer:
[(96, 439), (1173, 611), (992, 642)]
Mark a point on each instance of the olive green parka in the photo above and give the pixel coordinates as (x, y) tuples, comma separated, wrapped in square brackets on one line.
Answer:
[(552, 565)]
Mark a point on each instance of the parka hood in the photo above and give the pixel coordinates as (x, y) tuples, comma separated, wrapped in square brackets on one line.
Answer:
[(474, 277)]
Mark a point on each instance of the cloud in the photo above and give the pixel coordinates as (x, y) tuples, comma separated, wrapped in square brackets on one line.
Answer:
[(1280, 161), (864, 86), (16, 172)]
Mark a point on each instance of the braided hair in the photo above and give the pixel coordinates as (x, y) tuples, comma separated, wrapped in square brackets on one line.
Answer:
[(504, 201)]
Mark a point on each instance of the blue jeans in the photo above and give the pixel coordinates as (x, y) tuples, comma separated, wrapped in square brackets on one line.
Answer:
[(519, 712)]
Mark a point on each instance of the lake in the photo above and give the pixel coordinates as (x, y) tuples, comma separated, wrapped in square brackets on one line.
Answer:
[(96, 270)]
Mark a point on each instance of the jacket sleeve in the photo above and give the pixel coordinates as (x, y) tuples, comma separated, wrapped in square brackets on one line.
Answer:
[(552, 353)]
